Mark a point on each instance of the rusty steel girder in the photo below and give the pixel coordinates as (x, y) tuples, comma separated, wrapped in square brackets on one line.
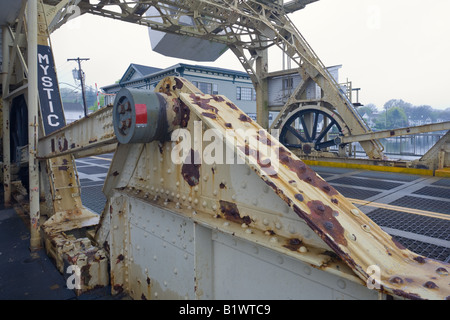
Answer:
[(346, 242)]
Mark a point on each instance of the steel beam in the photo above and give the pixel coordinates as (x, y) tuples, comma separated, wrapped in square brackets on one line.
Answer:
[(33, 119), (394, 132), (6, 115), (88, 133)]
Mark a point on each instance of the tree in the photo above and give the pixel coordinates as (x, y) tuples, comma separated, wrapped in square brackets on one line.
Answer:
[(369, 109), (396, 118)]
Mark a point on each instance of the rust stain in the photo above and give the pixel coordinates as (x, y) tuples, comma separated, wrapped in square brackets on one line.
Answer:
[(209, 115), (231, 105), (304, 172), (293, 244), (203, 103), (183, 113), (324, 217), (218, 98), (178, 84), (231, 212), (191, 171), (120, 258), (244, 118), (63, 145)]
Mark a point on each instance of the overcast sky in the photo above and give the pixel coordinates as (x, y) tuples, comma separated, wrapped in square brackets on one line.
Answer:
[(391, 49)]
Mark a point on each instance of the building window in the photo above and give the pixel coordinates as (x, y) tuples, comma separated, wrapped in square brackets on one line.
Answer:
[(245, 94), (288, 83), (207, 88)]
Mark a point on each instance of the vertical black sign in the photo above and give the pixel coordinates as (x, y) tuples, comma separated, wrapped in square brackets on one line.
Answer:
[(51, 108)]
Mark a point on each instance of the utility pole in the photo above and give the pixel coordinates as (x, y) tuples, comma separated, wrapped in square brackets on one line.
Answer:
[(82, 82)]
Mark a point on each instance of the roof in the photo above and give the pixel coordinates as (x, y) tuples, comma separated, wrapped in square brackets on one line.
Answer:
[(151, 72), (137, 71)]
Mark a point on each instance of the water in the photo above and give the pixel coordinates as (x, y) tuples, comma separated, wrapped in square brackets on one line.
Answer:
[(411, 145)]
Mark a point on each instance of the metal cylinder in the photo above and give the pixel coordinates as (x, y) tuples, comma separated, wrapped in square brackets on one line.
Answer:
[(139, 116)]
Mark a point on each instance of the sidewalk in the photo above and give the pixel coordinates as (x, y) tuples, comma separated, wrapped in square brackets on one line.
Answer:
[(26, 275)]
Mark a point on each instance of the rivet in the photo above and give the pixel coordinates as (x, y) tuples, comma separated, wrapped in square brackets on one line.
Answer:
[(274, 239), (249, 231), (351, 236), (291, 229), (280, 259), (169, 171), (341, 284), (204, 203), (307, 270), (265, 222), (303, 249), (442, 271), (355, 212), (244, 225), (366, 227), (196, 188)]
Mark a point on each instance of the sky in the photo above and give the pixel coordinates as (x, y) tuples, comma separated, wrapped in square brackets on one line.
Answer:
[(391, 49)]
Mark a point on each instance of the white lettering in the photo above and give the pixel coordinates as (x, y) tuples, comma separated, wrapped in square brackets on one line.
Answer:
[(50, 104), (50, 122), (196, 310), (43, 58), (181, 149), (47, 81), (49, 95), (74, 281), (44, 68)]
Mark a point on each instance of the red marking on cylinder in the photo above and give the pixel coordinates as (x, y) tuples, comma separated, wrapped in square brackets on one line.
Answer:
[(141, 114)]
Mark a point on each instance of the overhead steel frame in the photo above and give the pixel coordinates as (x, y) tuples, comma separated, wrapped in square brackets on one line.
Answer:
[(339, 225), (249, 28)]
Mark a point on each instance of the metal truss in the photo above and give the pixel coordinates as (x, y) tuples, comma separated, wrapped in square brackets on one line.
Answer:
[(248, 28)]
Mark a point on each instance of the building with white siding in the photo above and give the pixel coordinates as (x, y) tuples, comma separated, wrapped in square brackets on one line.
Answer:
[(235, 85)]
